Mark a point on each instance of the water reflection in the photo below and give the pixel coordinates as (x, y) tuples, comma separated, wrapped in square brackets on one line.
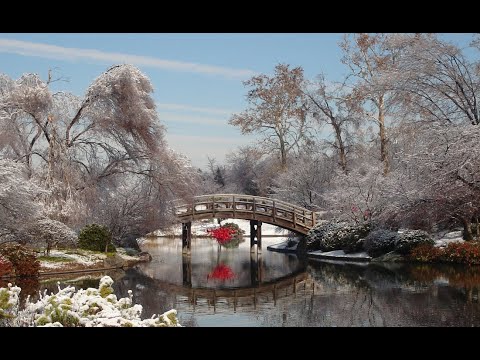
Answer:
[(238, 267), (280, 290)]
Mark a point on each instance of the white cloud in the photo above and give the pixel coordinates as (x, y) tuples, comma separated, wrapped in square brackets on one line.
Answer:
[(48, 51), (189, 108)]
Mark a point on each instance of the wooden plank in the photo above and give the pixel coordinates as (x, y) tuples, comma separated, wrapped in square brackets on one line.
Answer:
[(254, 208), (234, 205), (274, 211)]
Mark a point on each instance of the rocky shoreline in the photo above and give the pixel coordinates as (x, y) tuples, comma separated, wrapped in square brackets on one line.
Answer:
[(356, 243)]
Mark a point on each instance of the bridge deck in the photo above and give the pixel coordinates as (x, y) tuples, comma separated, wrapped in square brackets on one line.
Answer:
[(236, 206)]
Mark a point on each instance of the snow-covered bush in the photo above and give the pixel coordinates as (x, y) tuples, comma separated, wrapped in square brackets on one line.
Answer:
[(335, 236), (380, 242), (410, 239), (96, 238), (73, 308), (9, 299), (323, 230)]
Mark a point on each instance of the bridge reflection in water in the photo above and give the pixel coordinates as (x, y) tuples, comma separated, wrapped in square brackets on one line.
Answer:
[(233, 277)]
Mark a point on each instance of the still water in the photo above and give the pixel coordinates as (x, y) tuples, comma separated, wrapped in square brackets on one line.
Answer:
[(231, 287)]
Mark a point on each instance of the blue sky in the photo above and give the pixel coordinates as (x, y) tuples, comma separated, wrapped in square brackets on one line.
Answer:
[(197, 78)]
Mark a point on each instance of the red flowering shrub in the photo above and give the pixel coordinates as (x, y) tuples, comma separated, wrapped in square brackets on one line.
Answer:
[(221, 272)]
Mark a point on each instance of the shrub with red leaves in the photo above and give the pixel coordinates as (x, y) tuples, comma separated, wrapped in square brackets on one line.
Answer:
[(222, 234), (426, 253), (6, 267), (464, 253), (221, 272), (23, 259), (459, 253)]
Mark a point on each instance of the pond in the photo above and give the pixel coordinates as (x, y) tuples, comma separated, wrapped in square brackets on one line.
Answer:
[(231, 287)]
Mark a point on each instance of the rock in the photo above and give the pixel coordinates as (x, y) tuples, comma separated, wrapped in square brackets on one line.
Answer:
[(144, 256), (329, 236), (129, 241), (444, 242), (391, 256), (453, 235), (114, 261), (380, 242), (354, 246), (410, 239)]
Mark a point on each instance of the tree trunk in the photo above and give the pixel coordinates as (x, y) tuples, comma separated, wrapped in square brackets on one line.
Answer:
[(283, 154), (477, 235), (341, 146), (383, 136), (467, 231)]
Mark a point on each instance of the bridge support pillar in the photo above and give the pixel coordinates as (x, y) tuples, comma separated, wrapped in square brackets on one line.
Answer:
[(186, 270), (256, 273), (255, 235), (186, 237)]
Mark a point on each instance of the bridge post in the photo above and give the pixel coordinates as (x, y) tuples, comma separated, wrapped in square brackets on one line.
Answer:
[(186, 237), (255, 235), (256, 276), (186, 270)]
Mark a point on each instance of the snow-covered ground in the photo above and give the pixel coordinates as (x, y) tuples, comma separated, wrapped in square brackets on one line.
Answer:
[(79, 259), (340, 255), (199, 228), (451, 237)]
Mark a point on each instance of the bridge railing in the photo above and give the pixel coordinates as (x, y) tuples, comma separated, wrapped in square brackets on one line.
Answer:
[(256, 205)]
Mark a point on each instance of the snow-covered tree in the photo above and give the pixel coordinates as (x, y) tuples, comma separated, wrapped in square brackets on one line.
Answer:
[(19, 205), (306, 180), (333, 105), (371, 60), (51, 233), (440, 84), (81, 146), (357, 196), (437, 180), (277, 111)]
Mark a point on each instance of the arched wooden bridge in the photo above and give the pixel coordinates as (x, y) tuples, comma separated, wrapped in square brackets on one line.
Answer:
[(257, 209)]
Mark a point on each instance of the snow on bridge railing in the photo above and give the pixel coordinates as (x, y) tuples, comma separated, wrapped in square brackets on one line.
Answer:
[(239, 204)]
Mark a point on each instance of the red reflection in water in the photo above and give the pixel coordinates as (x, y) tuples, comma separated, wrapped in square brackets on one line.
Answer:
[(221, 272)]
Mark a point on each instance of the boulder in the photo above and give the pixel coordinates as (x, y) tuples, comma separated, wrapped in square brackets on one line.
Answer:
[(144, 256), (410, 239), (391, 256), (129, 241), (380, 242), (334, 235), (115, 261)]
